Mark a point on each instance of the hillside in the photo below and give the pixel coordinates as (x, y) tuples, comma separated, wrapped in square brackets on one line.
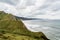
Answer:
[(12, 28)]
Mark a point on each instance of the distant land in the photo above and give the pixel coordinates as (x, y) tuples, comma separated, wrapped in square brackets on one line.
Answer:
[(25, 18)]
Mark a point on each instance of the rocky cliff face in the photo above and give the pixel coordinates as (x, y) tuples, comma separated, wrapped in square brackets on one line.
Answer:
[(12, 28)]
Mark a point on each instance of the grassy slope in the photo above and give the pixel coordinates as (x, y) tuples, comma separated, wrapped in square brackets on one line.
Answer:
[(13, 26)]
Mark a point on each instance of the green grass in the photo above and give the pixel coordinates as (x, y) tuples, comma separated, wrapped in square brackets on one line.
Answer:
[(10, 36), (13, 26)]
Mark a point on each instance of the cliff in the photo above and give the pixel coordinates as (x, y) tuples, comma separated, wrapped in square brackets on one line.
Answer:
[(12, 28)]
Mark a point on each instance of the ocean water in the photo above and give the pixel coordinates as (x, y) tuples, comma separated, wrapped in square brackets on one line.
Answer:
[(41, 9), (50, 28)]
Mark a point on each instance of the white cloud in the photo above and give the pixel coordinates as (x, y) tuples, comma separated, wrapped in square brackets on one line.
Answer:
[(27, 10), (8, 8), (46, 9)]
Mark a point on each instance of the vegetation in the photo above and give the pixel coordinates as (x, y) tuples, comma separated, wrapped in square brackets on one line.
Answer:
[(12, 28)]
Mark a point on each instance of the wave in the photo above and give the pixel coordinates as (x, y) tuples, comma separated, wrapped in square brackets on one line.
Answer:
[(46, 11)]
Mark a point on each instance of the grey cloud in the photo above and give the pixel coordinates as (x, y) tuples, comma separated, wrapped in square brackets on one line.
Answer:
[(14, 2), (54, 7), (30, 8), (30, 2)]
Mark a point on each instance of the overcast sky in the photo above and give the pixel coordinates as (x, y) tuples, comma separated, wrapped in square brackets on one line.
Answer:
[(45, 9)]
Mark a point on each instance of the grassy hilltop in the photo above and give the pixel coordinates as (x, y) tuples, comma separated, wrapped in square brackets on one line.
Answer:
[(12, 28)]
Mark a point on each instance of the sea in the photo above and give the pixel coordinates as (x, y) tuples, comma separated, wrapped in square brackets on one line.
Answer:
[(47, 10), (51, 28)]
